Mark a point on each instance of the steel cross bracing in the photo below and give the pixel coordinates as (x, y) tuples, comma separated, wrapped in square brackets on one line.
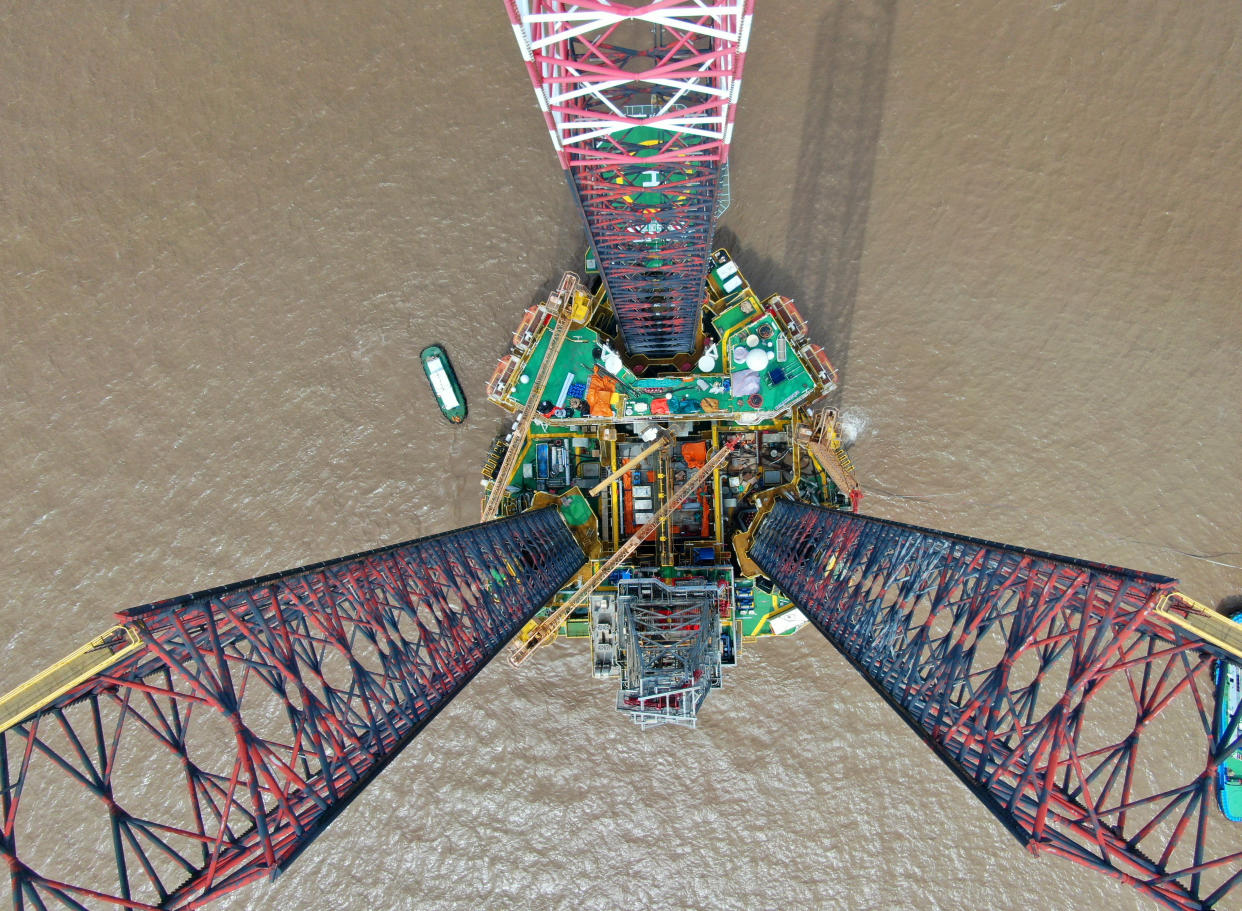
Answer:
[(255, 712), (670, 635), (1051, 686), (639, 100)]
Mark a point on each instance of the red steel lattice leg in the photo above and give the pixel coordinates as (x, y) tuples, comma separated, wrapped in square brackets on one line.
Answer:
[(1079, 716), (254, 713), (639, 99)]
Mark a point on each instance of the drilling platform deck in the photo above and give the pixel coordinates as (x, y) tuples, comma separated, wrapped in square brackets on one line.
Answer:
[(614, 436)]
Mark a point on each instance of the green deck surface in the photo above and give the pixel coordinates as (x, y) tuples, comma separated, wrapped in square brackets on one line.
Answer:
[(767, 605), (575, 357), (729, 319), (576, 510)]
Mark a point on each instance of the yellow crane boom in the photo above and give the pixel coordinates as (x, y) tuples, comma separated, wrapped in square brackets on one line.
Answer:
[(661, 441), (545, 632), (561, 303)]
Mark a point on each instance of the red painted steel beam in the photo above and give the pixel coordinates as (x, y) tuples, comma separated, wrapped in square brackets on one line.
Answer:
[(255, 712), (639, 101), (1077, 715)]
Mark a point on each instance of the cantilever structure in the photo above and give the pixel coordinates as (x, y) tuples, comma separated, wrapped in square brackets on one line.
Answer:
[(1039, 680), (252, 714), (672, 633)]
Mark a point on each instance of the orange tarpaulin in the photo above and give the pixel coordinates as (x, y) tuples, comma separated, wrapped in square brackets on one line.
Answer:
[(599, 395), (694, 454)]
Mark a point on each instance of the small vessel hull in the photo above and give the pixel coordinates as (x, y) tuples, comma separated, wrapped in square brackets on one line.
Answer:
[(1228, 700), (444, 385)]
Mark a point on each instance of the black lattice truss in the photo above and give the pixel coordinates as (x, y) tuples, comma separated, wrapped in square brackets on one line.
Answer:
[(648, 195), (639, 100), (653, 247), (255, 712), (1080, 717)]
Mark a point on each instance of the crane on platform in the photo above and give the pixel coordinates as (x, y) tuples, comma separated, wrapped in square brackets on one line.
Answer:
[(545, 631), (823, 440), (561, 305), (212, 736)]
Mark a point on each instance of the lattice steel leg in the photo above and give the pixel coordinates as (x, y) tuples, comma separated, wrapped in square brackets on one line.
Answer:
[(254, 713), (1050, 685)]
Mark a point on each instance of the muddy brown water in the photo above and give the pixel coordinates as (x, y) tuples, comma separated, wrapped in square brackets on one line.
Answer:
[(226, 230)]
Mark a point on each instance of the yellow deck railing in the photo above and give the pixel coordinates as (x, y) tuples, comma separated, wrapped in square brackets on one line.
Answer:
[(43, 688), (1200, 620)]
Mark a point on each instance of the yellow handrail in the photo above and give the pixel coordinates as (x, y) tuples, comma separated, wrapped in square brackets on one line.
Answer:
[(1200, 620), (49, 685), (821, 439)]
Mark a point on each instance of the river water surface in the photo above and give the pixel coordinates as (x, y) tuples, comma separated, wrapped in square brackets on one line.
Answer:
[(226, 230)]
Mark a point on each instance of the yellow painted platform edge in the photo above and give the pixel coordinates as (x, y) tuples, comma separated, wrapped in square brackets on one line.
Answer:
[(20, 703), (1201, 621)]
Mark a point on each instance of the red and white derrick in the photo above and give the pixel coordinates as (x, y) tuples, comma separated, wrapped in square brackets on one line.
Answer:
[(639, 100)]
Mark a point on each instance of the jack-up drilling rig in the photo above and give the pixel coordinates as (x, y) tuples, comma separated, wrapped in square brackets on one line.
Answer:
[(674, 486)]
